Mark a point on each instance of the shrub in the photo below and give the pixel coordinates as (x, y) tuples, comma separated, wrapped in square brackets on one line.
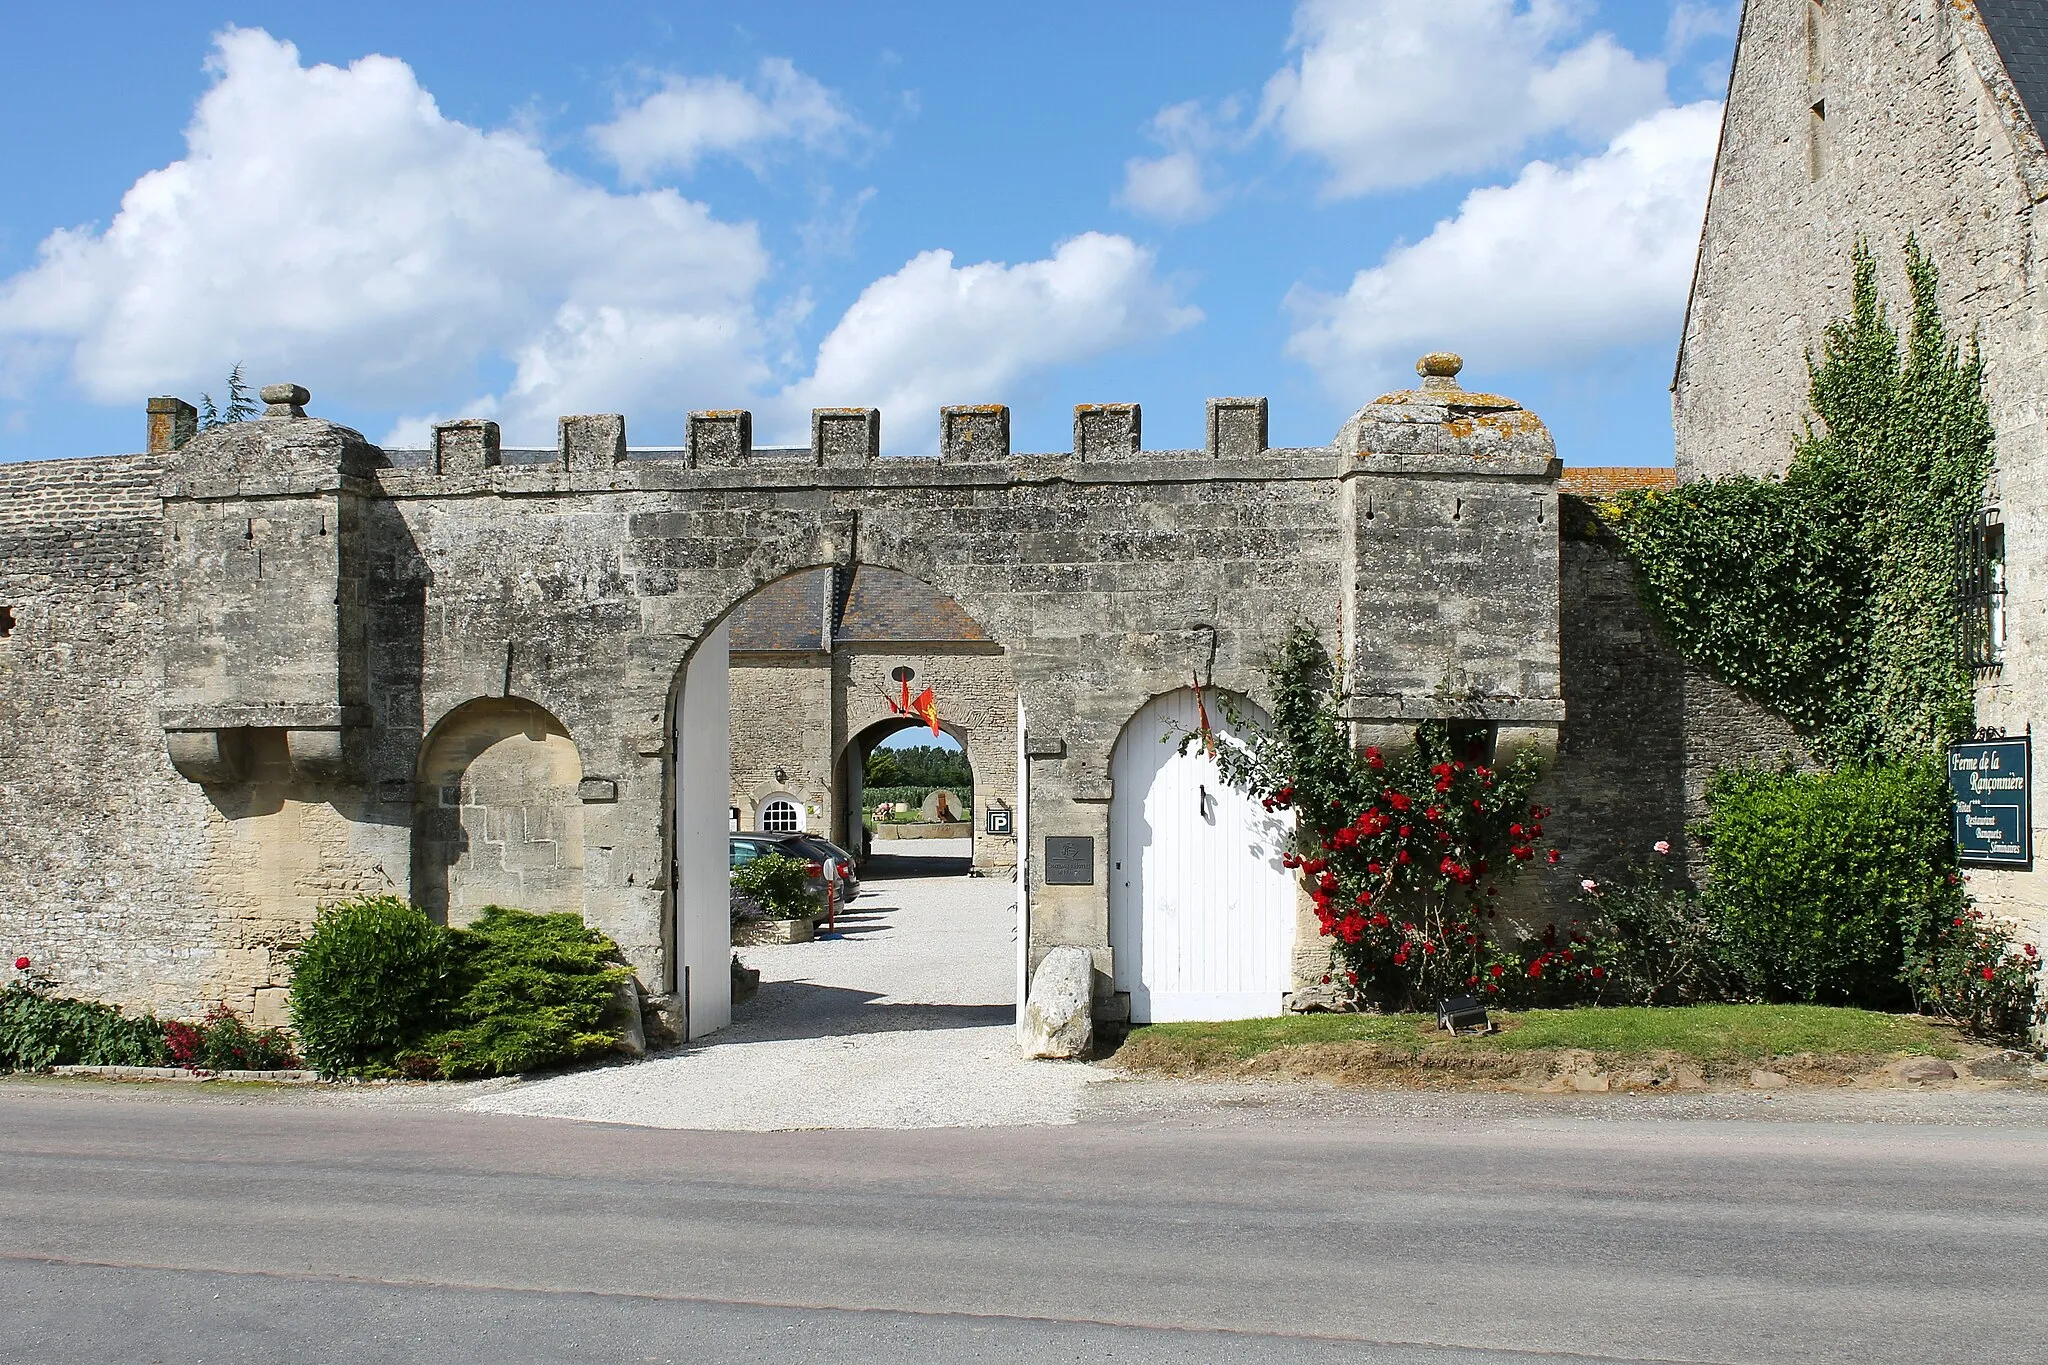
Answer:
[(224, 1041), (39, 1030), (1656, 939), (1971, 969), (370, 982), (779, 884), (530, 991), (1822, 880), (1402, 853)]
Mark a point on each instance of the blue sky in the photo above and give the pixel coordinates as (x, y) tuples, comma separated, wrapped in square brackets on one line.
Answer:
[(426, 211)]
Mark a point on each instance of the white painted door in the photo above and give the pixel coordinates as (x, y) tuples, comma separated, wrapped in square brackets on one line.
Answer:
[(1201, 913)]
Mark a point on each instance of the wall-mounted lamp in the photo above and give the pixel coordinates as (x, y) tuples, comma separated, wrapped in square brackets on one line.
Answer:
[(782, 774)]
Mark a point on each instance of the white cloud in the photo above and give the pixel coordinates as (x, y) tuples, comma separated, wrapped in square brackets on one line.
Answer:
[(1694, 21), (1173, 187), (1549, 271), (1394, 93), (693, 116), (1167, 187), (935, 333), (331, 226)]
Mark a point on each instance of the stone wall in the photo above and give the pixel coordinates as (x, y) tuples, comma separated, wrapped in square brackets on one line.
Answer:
[(218, 704), (782, 717), (1876, 121), (127, 881)]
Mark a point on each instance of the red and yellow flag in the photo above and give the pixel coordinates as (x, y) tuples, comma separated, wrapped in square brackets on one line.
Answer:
[(927, 708)]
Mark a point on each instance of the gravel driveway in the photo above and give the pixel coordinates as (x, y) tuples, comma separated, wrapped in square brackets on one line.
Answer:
[(907, 1021)]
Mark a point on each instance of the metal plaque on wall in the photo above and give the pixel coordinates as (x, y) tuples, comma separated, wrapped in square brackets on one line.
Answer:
[(1990, 780), (1069, 860)]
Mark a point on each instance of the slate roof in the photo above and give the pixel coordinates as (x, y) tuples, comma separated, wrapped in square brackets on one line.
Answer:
[(788, 614), (877, 606), (2019, 30)]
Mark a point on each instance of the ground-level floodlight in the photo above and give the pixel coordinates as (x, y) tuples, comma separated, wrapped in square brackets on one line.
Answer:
[(1462, 1014)]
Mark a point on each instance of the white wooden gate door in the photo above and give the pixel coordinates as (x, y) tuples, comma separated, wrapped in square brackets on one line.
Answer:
[(1201, 913)]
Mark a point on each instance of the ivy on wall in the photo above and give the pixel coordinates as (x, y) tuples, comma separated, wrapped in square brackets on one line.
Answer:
[(1830, 595)]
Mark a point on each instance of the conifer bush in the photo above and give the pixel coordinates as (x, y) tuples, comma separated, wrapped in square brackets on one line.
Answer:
[(528, 991)]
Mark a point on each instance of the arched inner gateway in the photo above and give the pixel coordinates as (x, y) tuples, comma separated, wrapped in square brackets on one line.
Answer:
[(860, 705)]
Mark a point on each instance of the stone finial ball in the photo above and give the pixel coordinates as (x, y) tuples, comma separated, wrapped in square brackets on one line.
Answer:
[(286, 395), (1440, 365)]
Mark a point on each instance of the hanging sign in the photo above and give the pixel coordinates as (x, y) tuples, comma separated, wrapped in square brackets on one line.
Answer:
[(1990, 779)]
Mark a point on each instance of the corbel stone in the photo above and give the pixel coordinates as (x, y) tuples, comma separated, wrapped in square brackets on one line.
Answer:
[(212, 758)]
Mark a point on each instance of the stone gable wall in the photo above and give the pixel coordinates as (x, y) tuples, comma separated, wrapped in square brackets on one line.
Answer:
[(1922, 134)]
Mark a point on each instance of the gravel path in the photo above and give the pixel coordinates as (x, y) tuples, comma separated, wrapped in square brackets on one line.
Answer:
[(908, 1021)]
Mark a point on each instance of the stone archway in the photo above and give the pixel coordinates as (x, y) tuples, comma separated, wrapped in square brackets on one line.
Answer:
[(498, 819)]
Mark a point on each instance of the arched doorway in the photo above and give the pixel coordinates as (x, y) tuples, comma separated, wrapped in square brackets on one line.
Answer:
[(911, 796), (497, 820), (1201, 911), (773, 715)]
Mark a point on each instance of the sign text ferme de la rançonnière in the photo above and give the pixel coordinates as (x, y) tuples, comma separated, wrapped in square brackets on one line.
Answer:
[(1989, 780)]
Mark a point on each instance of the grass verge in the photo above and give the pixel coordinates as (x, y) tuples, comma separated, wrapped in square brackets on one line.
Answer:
[(1711, 1037)]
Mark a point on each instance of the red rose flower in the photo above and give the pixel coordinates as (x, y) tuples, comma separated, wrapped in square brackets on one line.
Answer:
[(1989, 973), (21, 964)]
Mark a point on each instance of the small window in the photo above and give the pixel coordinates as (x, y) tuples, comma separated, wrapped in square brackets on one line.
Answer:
[(1980, 586), (1816, 140), (6, 622), (781, 816)]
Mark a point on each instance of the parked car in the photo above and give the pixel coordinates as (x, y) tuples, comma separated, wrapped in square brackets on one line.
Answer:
[(838, 863), (744, 848)]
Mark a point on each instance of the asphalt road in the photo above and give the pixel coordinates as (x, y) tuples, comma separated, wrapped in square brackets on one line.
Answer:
[(203, 1229)]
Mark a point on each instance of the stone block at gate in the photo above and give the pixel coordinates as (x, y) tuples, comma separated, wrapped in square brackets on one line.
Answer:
[(1059, 1015)]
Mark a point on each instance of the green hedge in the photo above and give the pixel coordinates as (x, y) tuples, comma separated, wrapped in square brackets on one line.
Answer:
[(39, 1031), (530, 991), (1823, 881)]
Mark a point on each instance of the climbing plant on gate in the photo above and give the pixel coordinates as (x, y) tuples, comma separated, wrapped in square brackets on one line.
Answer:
[(1830, 595), (1403, 852)]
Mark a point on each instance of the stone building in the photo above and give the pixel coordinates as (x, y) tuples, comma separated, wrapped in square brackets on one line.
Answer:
[(1875, 120), (815, 664), (268, 665)]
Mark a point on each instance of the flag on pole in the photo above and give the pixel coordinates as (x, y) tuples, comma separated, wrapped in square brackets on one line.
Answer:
[(926, 707)]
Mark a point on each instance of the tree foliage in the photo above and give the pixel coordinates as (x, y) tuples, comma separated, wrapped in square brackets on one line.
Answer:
[(239, 409)]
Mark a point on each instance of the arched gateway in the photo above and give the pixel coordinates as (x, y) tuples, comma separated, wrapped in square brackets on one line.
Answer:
[(335, 604)]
